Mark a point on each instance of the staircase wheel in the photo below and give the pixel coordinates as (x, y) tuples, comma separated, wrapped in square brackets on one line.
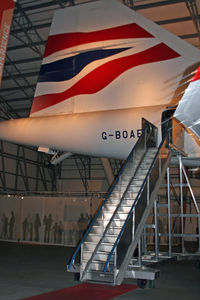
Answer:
[(141, 283), (197, 264), (76, 276), (151, 284)]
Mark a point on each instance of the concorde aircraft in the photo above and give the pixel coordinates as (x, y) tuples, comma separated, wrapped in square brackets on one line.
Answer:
[(104, 68)]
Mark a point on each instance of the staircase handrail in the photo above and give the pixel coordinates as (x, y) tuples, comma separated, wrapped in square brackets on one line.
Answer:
[(144, 128), (148, 135), (133, 206)]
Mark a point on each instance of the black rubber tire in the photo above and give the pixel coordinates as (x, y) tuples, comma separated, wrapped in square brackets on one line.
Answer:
[(141, 283), (151, 284), (76, 276)]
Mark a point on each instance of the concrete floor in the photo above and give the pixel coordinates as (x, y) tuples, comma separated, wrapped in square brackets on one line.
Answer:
[(27, 270)]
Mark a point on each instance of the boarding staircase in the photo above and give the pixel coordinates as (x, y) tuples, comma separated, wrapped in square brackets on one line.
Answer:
[(112, 237)]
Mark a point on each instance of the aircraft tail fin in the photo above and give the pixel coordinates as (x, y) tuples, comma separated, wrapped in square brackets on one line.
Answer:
[(104, 56)]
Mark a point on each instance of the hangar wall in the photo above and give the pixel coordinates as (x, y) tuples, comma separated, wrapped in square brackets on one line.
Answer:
[(25, 169), (52, 219)]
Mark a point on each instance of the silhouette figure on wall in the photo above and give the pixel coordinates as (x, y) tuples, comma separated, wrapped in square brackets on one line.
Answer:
[(37, 225), (45, 223), (60, 232), (82, 221), (55, 232), (49, 224), (11, 225), (31, 231), (25, 228), (87, 218), (71, 233), (4, 231)]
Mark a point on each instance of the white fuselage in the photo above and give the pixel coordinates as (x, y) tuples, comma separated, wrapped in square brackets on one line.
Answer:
[(105, 134)]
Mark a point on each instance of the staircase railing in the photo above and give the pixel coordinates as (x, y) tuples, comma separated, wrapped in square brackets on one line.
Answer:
[(147, 139), (143, 190), (142, 204)]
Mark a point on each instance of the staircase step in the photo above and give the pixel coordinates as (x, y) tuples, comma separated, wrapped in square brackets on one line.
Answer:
[(113, 229), (141, 176), (122, 208), (131, 193), (134, 188), (117, 223), (97, 265), (99, 255), (127, 201), (97, 229), (109, 238), (96, 276), (140, 172), (125, 177), (90, 246), (93, 237), (104, 223), (102, 256), (118, 216), (137, 182)]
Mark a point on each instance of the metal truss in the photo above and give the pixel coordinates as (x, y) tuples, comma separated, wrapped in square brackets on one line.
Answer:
[(116, 165), (129, 3), (7, 110), (28, 34), (18, 75), (83, 164), (24, 169), (193, 9)]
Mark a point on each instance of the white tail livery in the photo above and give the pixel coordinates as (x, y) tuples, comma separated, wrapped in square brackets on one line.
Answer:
[(105, 67), (188, 110)]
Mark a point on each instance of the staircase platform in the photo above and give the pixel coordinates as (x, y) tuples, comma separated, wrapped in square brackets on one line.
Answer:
[(142, 272)]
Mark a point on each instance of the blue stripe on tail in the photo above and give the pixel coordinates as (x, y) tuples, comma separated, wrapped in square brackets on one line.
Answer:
[(67, 68)]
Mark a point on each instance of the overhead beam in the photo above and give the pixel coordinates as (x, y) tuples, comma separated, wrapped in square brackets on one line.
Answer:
[(20, 75), (43, 5), (16, 99), (17, 88), (189, 36), (156, 4), (36, 27), (193, 10), (70, 2), (173, 21), (23, 61), (18, 47), (21, 110), (168, 21)]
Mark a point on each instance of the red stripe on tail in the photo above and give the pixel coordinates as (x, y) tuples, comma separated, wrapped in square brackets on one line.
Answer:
[(102, 76), (197, 75), (67, 40)]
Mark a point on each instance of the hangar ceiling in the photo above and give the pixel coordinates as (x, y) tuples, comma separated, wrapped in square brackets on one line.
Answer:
[(29, 33)]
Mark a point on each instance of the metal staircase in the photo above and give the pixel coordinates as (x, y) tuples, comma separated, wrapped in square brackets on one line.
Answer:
[(112, 237)]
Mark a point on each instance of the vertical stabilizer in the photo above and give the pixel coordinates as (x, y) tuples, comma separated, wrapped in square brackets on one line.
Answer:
[(104, 56)]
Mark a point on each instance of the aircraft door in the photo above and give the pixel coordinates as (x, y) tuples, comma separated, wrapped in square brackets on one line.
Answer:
[(166, 122)]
